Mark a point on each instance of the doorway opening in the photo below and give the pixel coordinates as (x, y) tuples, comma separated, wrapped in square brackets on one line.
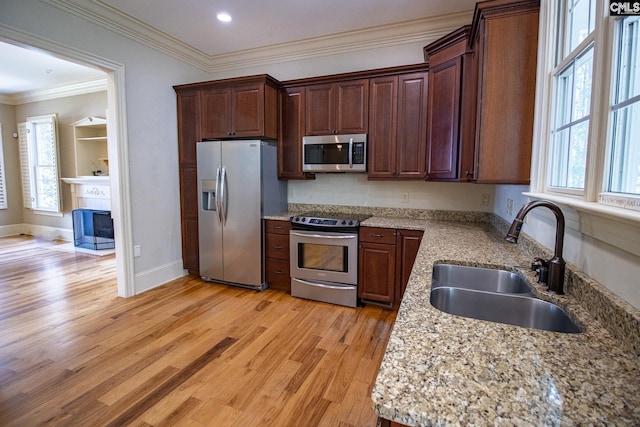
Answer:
[(117, 146)]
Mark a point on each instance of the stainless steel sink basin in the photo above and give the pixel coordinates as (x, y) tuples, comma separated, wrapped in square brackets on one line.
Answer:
[(513, 309), (480, 279)]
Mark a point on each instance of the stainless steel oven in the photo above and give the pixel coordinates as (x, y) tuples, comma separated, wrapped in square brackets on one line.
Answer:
[(324, 257)]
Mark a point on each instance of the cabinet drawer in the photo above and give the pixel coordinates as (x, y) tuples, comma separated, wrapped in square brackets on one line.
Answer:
[(277, 226), (378, 235), (277, 246), (277, 274)]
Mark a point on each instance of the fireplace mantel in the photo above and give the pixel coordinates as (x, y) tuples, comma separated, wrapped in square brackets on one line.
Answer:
[(90, 192)]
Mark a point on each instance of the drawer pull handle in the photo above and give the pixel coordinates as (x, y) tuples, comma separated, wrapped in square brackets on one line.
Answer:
[(377, 235), (278, 227), (278, 246), (278, 271)]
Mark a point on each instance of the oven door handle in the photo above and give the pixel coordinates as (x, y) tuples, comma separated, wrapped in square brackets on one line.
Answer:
[(322, 285), (322, 236)]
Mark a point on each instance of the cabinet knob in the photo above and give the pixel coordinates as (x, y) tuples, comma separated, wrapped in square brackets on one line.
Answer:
[(469, 172)]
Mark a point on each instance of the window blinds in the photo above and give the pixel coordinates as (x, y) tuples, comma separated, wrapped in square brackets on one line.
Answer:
[(23, 142)]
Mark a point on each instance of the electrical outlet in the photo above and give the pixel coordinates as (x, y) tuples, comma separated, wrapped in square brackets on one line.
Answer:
[(404, 198), (485, 200), (137, 251), (509, 207)]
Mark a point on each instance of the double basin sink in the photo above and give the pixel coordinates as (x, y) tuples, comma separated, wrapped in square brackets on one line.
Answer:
[(495, 295)]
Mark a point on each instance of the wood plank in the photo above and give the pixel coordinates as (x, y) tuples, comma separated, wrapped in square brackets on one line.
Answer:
[(188, 353)]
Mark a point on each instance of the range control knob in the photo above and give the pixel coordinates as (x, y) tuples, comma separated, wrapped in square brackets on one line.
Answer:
[(350, 222), (344, 222), (304, 219)]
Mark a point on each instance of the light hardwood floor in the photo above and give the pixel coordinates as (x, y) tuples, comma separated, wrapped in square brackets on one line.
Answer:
[(187, 353)]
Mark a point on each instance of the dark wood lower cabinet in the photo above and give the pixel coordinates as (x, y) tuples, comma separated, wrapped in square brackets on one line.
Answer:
[(276, 243), (377, 265), (386, 257), (386, 423), (407, 245)]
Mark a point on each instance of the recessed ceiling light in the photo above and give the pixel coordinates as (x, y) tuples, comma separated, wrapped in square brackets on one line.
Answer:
[(224, 17)]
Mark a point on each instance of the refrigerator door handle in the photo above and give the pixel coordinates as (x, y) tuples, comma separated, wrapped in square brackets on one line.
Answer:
[(223, 196), (218, 193)]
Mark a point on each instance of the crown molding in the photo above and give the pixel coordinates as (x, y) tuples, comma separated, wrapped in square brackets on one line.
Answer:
[(417, 31), (112, 19), (78, 88)]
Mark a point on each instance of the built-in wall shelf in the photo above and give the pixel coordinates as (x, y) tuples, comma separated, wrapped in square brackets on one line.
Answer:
[(90, 142)]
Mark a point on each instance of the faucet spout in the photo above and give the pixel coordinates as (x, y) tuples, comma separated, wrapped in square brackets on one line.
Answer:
[(556, 265)]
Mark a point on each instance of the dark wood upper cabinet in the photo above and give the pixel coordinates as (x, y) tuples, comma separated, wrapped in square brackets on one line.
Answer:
[(383, 125), (398, 126), (337, 108), (444, 140), (292, 118), (239, 108), (504, 38)]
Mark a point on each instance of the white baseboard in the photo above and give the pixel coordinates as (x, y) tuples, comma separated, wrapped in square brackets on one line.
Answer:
[(158, 276), (42, 231)]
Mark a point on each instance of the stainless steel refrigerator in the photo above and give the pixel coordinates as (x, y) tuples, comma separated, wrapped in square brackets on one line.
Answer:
[(237, 185)]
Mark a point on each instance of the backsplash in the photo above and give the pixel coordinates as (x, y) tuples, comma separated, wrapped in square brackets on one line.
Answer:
[(355, 190)]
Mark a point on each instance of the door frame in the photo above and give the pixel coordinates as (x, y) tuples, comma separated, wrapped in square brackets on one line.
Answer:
[(118, 146)]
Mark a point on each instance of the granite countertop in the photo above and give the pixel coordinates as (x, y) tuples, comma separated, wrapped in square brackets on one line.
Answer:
[(442, 369)]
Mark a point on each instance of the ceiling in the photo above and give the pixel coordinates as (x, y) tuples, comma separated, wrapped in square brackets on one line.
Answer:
[(254, 25)]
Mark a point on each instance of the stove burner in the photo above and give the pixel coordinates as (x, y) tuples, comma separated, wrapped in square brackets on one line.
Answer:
[(335, 221)]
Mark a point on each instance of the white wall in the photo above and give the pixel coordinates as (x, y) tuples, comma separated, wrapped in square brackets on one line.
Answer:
[(13, 213), (355, 190), (616, 269), (151, 126)]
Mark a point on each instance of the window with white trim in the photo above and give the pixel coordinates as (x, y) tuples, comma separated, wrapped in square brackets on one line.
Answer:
[(38, 142), (592, 148), (3, 182), (624, 159)]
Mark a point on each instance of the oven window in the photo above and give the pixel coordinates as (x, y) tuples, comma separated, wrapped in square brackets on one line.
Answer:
[(323, 257), (329, 154)]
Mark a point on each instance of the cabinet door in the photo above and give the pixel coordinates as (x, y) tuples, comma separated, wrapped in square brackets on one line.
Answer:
[(376, 275), (412, 129), (247, 110), (319, 110), (188, 113), (215, 120), (408, 243), (443, 123), (337, 108), (292, 116), (352, 108), (383, 116), (507, 80)]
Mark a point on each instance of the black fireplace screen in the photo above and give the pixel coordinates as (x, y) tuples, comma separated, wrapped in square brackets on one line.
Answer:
[(93, 229)]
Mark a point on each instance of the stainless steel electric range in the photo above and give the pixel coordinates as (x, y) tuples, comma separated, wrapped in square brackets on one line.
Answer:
[(324, 257)]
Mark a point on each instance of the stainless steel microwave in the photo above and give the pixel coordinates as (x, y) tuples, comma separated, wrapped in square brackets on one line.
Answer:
[(334, 153)]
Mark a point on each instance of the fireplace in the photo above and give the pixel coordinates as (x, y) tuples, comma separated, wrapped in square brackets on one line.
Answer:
[(93, 229)]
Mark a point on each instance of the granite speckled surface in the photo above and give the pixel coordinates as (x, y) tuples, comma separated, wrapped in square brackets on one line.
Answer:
[(442, 369)]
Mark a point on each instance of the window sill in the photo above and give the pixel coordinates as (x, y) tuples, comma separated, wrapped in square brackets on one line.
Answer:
[(615, 226)]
